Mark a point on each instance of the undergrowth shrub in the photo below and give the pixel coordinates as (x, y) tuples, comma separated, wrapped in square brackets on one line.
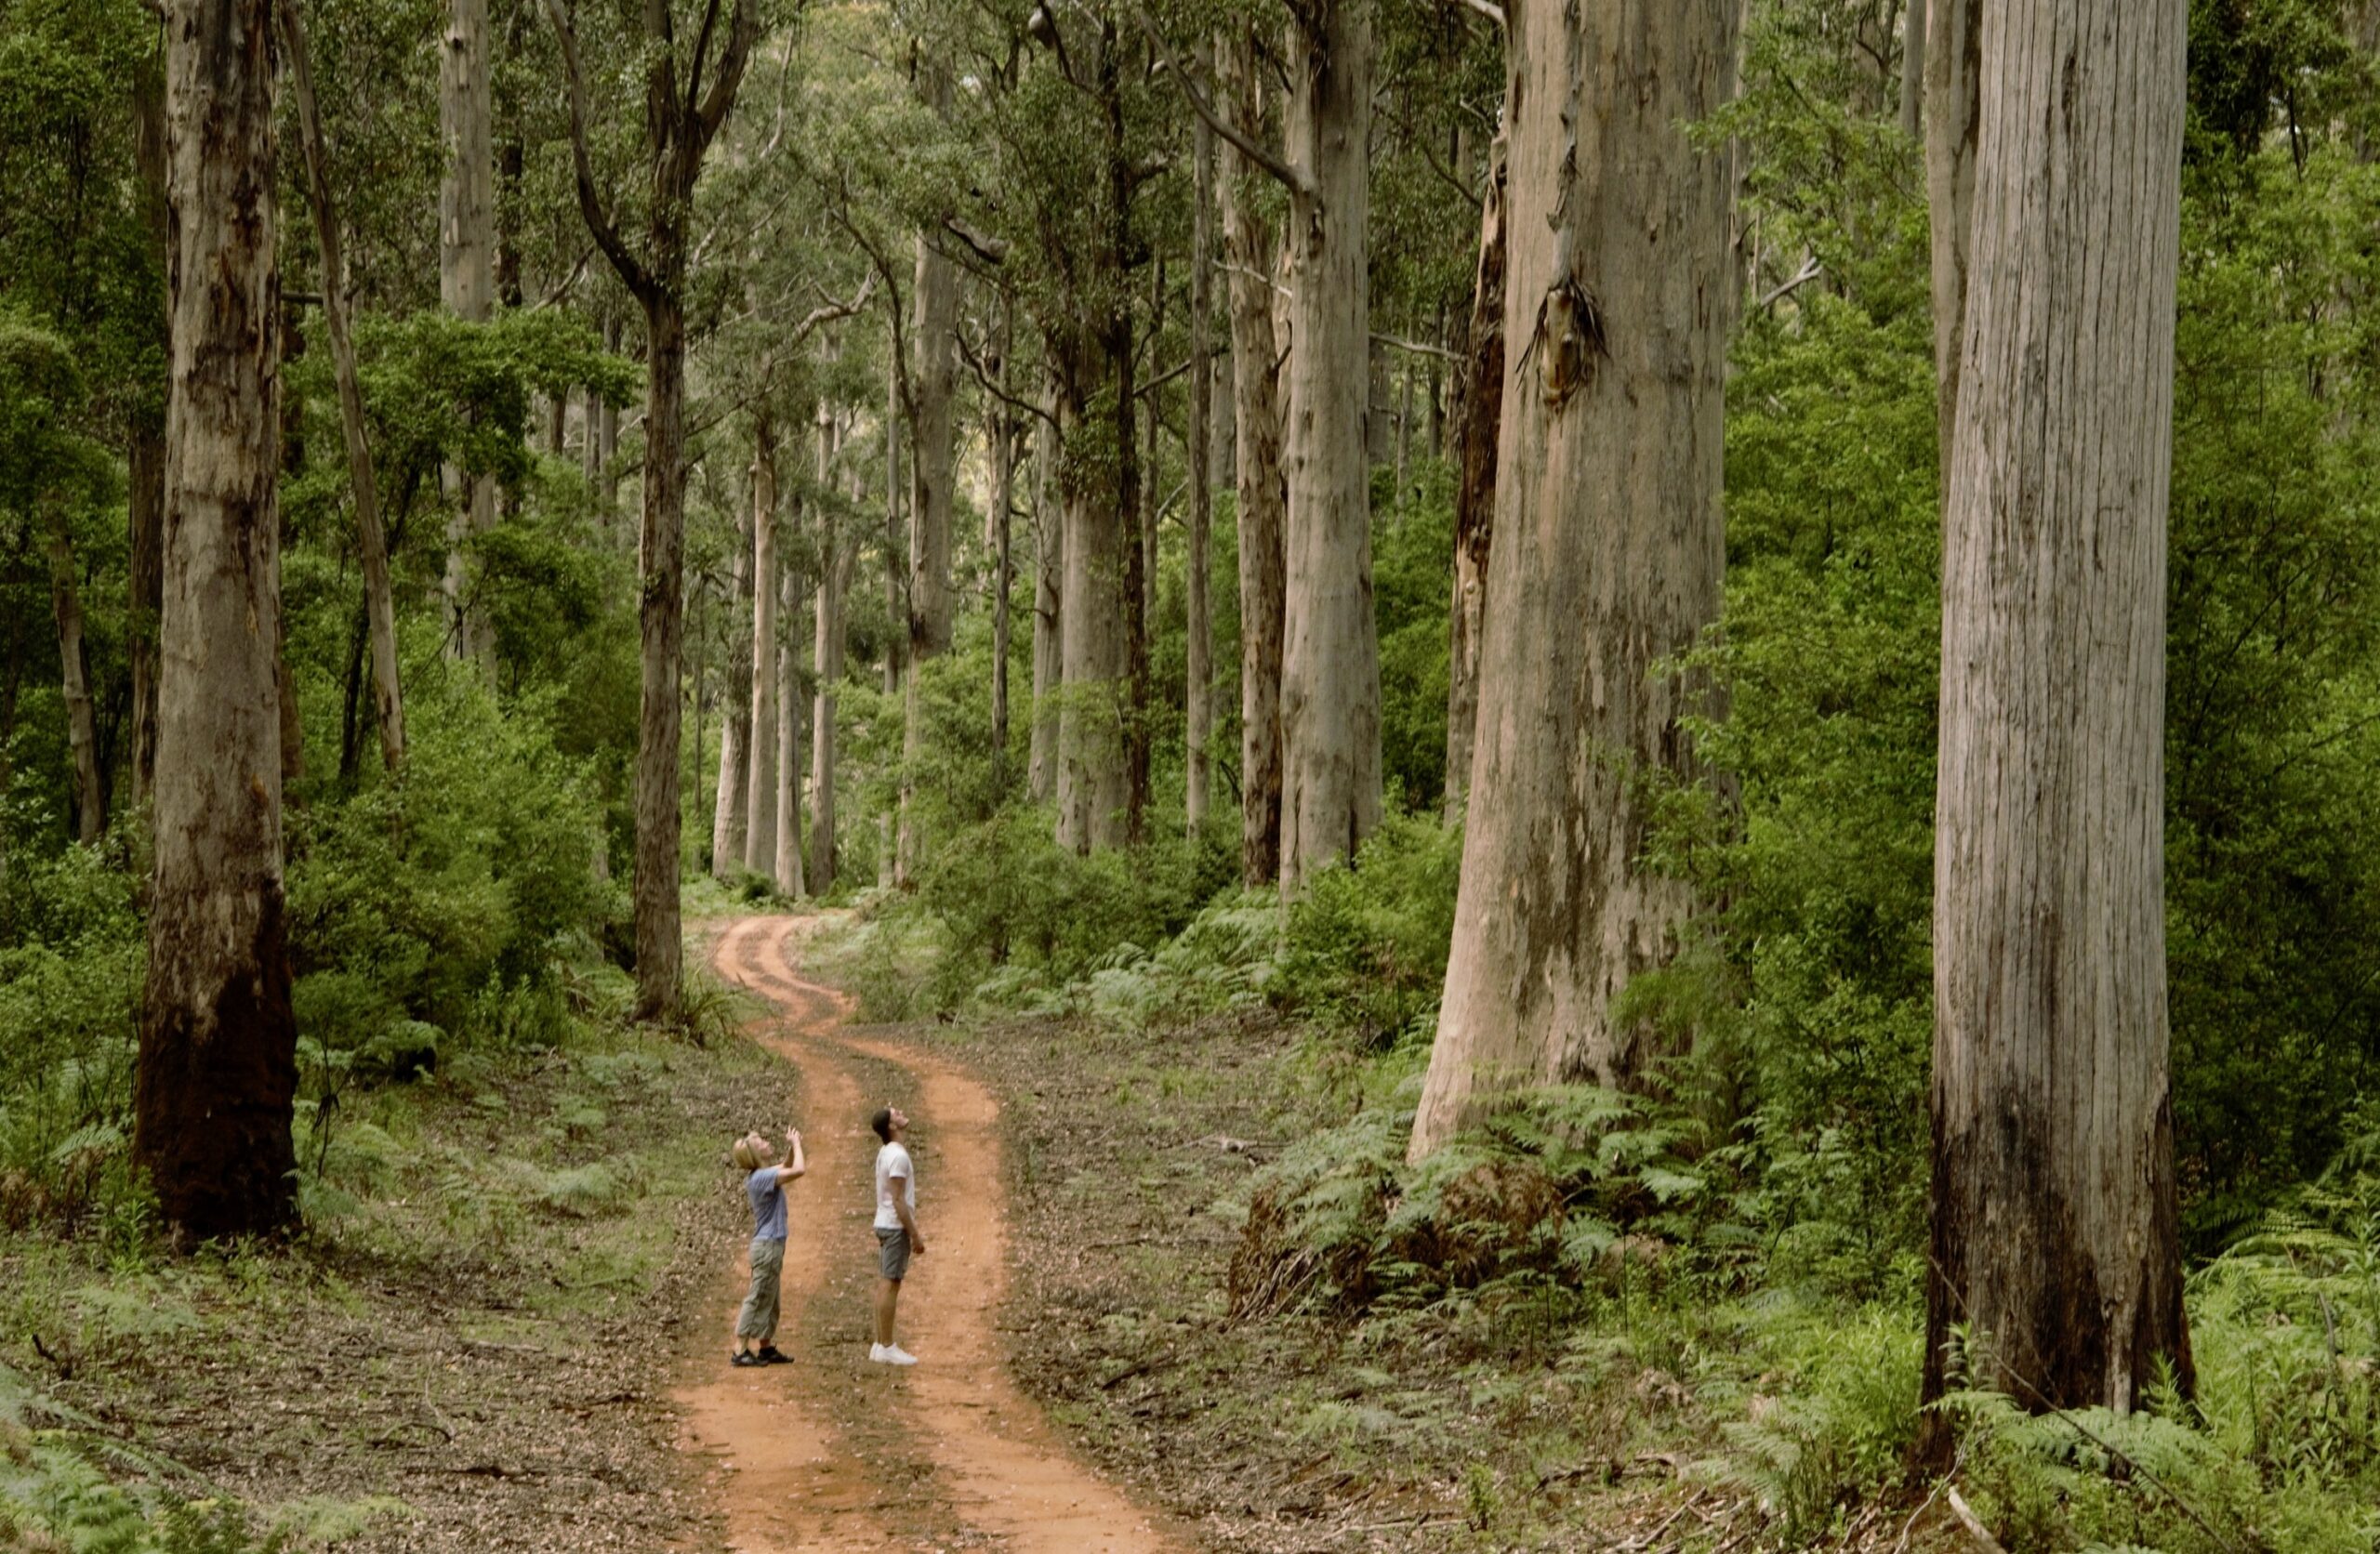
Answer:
[(1364, 950)]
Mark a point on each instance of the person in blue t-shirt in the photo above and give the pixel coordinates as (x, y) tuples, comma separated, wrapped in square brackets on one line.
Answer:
[(755, 1325)]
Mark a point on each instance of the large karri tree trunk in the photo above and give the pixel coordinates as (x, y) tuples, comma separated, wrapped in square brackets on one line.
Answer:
[(1608, 543), (735, 734), (835, 555), (218, 1070), (932, 464), (1478, 417), (467, 275), (1049, 574), (2054, 1238), (1250, 249), (1199, 694), (660, 950), (761, 800), (1330, 755), (1093, 787), (787, 872)]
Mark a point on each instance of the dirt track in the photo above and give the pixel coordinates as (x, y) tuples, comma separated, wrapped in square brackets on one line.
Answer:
[(833, 1452)]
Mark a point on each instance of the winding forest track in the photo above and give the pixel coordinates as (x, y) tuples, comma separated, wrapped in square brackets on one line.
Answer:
[(834, 1453)]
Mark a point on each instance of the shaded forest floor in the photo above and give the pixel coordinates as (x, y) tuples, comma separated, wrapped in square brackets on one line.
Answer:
[(469, 1346), (1470, 1424)]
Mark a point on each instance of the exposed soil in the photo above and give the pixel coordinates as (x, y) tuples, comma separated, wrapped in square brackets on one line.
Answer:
[(834, 1452)]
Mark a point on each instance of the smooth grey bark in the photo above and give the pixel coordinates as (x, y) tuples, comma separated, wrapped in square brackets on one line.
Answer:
[(1049, 574), (730, 803), (1251, 250), (1477, 420), (761, 778), (467, 275), (1092, 785), (1608, 545), (834, 556), (2055, 1223), (217, 1069), (372, 545), (1331, 753)]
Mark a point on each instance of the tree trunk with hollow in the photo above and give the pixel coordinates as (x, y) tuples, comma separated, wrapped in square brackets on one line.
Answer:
[(1608, 546), (2055, 1231), (1330, 749), (1478, 417), (217, 1068)]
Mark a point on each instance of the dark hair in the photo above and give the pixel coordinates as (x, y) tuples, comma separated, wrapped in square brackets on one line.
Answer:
[(882, 1123)]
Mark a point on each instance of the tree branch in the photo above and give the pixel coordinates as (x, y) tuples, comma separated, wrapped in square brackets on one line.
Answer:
[(1291, 179), (990, 249), (742, 34), (607, 234), (1489, 10)]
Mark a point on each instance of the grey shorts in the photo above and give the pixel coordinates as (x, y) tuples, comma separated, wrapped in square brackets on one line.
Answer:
[(893, 1254)]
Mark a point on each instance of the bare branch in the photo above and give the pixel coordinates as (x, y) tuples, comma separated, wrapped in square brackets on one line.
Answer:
[(1291, 179), (600, 224), (990, 249), (1492, 11), (742, 34), (1811, 269), (983, 376)]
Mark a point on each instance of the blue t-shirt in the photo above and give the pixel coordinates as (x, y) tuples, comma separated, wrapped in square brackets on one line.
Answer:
[(768, 1203)]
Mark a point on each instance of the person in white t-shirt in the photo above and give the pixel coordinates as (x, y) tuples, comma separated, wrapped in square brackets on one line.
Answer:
[(897, 1237)]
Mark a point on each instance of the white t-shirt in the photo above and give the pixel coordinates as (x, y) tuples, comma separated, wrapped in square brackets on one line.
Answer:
[(892, 1161)]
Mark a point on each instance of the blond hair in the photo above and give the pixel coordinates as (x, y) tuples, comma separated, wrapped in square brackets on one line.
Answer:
[(746, 1152)]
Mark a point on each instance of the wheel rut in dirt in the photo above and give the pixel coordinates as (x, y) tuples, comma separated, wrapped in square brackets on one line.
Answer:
[(835, 1453)]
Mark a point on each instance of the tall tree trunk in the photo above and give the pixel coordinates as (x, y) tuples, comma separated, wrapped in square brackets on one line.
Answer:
[(82, 730), (1479, 415), (730, 806), (1199, 694), (1250, 249), (662, 543), (895, 536), (760, 838), (834, 553), (145, 453), (2054, 1237), (372, 544), (1912, 66), (1049, 580), (1953, 80), (787, 870), (933, 339), (1092, 786), (467, 275), (1608, 545), (1001, 437), (1330, 757), (217, 1069)]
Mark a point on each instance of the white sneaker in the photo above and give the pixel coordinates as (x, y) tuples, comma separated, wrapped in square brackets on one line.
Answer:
[(876, 1353), (895, 1355)]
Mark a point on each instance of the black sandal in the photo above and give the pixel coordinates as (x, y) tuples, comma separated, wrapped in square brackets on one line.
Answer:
[(772, 1355), (743, 1359)]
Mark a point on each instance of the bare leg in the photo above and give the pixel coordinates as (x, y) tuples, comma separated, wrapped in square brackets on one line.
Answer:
[(888, 1302)]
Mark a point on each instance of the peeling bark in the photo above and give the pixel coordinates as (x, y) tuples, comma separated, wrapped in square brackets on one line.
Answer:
[(1478, 419), (1608, 543), (2055, 1221), (217, 1068)]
